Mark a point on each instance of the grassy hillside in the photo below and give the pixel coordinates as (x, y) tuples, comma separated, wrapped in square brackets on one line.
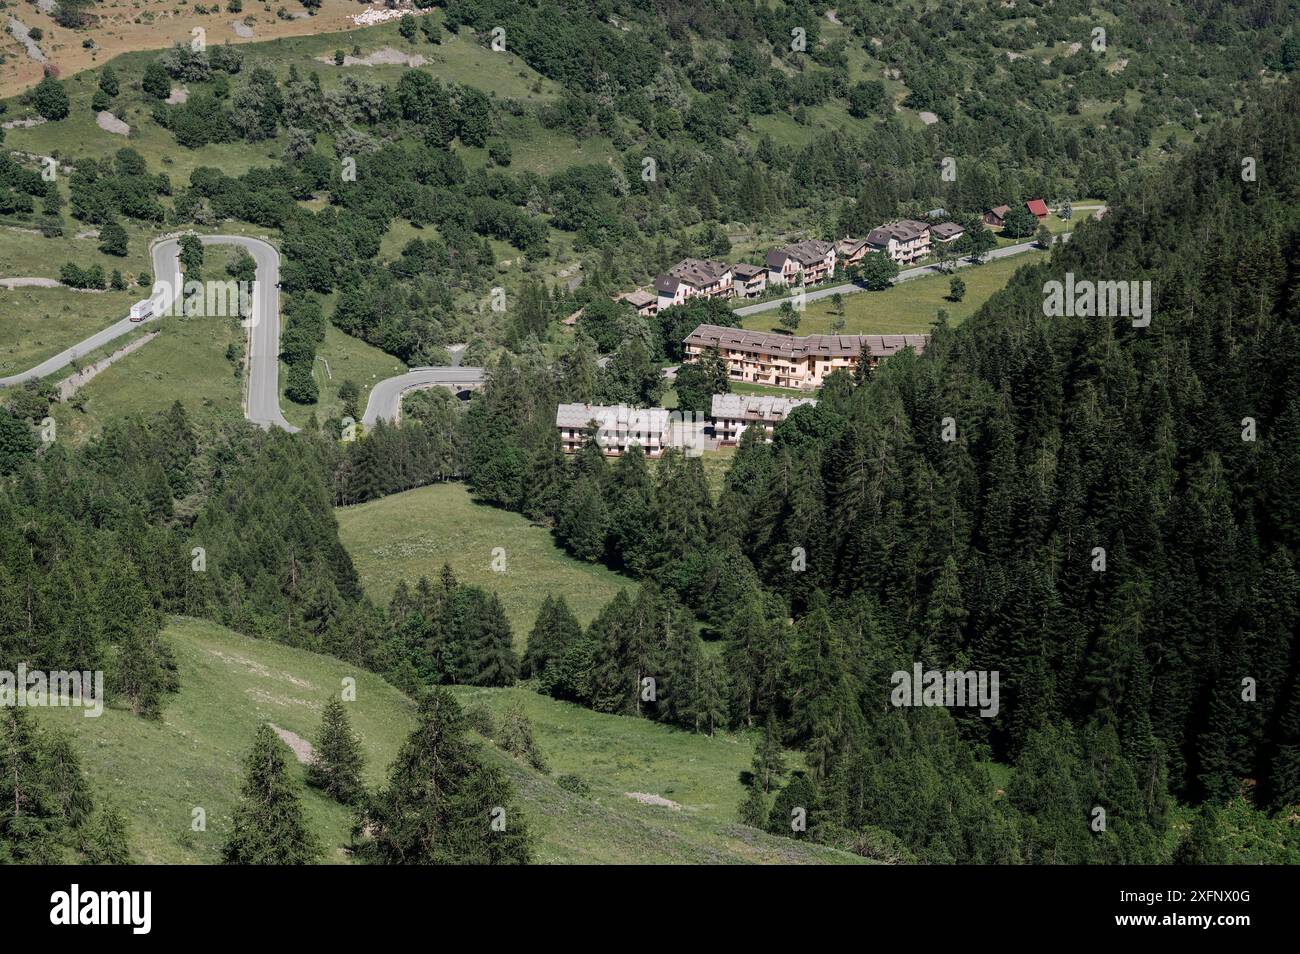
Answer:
[(158, 772), (409, 535)]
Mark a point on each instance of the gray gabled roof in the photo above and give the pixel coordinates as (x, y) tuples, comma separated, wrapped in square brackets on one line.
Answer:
[(755, 407), (786, 346), (611, 417)]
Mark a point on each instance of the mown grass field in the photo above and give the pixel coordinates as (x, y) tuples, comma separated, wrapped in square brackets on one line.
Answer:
[(412, 534), (906, 308), (158, 772)]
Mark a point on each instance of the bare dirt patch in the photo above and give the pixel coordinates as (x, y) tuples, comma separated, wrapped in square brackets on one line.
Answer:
[(645, 798), (242, 29), (928, 117), (25, 123), (110, 123), (179, 94), (154, 25), (388, 56), (302, 749)]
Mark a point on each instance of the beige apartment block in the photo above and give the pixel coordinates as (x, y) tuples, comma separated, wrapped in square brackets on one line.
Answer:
[(784, 361), (733, 414), (618, 427), (905, 241)]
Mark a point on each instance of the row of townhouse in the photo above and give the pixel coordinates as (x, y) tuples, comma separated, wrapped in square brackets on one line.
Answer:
[(706, 278), (809, 262), (619, 427), (784, 361)]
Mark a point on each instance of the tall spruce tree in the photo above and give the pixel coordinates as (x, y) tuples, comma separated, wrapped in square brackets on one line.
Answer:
[(337, 759), (443, 803), (269, 826)]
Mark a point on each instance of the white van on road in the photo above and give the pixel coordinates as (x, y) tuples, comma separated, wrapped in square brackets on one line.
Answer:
[(143, 309)]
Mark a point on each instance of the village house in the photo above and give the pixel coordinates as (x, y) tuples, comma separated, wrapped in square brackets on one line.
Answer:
[(693, 278), (645, 304), (813, 258), (784, 361), (851, 251), (750, 281), (618, 427), (1037, 208), (947, 232), (997, 217), (905, 241), (733, 414)]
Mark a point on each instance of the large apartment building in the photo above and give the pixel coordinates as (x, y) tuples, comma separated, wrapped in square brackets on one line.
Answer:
[(618, 427), (905, 241), (733, 414), (784, 361), (694, 278), (815, 259)]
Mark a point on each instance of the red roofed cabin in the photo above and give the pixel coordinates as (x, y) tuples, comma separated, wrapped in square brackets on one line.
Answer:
[(1038, 207)]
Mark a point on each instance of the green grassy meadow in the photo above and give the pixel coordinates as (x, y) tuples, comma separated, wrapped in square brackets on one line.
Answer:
[(158, 772), (412, 534), (38, 323), (186, 362)]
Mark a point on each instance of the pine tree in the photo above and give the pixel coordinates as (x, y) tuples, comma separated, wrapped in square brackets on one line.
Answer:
[(108, 839), (517, 737), (141, 670), (583, 523), (555, 631), (442, 803), (753, 810), (1203, 844), (41, 793), (269, 826), (337, 759), (492, 656), (769, 758)]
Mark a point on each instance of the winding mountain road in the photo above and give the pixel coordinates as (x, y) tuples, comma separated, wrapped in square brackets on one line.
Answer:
[(262, 400), (167, 274), (386, 396)]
